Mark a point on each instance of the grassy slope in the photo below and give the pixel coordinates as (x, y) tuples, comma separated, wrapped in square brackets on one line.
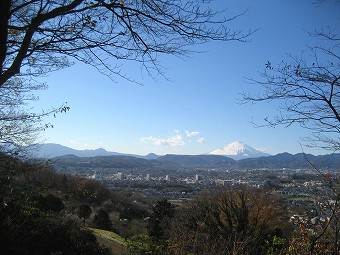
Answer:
[(115, 242)]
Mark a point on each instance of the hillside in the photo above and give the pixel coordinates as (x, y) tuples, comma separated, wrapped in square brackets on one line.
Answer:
[(286, 160), (42, 212), (111, 240)]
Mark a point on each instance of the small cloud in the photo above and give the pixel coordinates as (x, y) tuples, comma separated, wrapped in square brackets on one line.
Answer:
[(262, 149), (170, 141), (200, 140), (192, 134)]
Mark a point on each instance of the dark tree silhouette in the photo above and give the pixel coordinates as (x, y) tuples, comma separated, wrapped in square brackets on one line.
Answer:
[(160, 220), (84, 212), (102, 220), (51, 203)]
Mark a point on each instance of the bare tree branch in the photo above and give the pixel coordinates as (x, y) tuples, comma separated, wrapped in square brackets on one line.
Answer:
[(41, 36), (308, 92), (133, 30)]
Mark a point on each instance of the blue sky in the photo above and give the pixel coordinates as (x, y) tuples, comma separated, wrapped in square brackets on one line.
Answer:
[(197, 111)]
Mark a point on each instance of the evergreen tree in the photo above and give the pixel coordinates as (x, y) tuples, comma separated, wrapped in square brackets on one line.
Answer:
[(84, 212), (159, 222), (102, 220)]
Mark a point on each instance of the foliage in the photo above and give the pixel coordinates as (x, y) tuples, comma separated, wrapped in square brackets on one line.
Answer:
[(320, 234), (160, 220), (276, 245), (84, 212), (102, 220), (42, 235), (29, 189), (132, 211), (144, 245), (223, 221), (228, 221), (306, 241), (26, 228), (50, 203), (91, 191)]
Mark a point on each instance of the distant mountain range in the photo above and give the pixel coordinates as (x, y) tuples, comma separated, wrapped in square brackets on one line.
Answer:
[(51, 150), (235, 150), (64, 157), (279, 161)]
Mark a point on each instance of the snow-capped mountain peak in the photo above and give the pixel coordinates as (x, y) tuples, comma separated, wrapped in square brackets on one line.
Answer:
[(238, 150)]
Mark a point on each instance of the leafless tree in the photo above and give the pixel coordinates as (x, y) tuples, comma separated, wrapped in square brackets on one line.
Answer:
[(235, 220), (41, 36), (20, 127), (308, 90)]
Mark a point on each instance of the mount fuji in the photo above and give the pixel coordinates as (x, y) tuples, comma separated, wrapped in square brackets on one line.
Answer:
[(238, 150)]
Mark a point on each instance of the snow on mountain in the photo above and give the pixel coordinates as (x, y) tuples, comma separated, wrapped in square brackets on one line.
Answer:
[(238, 150)]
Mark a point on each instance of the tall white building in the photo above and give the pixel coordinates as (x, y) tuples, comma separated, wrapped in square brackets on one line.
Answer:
[(148, 178), (120, 176)]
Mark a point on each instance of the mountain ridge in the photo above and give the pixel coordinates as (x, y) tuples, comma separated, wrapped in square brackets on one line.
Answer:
[(235, 150), (52, 150), (279, 161), (114, 159)]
